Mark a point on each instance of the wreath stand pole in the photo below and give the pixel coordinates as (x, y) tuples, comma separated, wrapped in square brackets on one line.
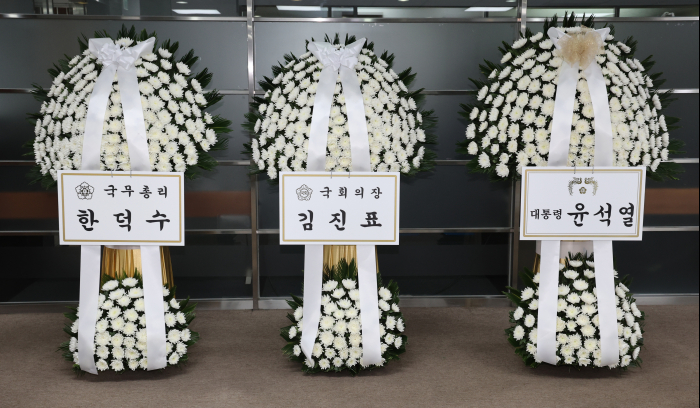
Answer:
[(129, 260)]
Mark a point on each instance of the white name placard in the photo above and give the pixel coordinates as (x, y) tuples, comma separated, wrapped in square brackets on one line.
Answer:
[(339, 208), (605, 203), (121, 208)]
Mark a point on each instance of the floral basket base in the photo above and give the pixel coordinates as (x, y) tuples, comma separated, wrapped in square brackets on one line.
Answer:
[(120, 331), (578, 335), (339, 343)]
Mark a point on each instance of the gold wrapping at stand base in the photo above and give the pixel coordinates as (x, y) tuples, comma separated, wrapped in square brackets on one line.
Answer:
[(536, 266), (332, 254), (129, 260)]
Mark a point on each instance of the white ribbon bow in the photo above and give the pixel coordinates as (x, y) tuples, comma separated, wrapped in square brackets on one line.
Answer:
[(558, 156), (340, 62), (121, 61)]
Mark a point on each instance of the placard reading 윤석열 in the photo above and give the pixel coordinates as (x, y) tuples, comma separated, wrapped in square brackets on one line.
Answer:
[(605, 203)]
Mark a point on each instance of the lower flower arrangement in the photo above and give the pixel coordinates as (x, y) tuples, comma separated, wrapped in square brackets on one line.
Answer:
[(120, 331), (578, 335), (339, 343)]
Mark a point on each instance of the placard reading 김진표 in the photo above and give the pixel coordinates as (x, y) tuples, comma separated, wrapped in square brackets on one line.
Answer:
[(605, 203), (339, 208), (120, 208)]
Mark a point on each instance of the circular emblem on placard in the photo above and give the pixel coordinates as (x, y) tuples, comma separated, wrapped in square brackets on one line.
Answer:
[(582, 190), (304, 193), (84, 191)]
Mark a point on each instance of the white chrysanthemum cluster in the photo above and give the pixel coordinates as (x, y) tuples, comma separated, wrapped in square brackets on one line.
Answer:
[(511, 122), (120, 332), (578, 335), (339, 343), (172, 108), (394, 123)]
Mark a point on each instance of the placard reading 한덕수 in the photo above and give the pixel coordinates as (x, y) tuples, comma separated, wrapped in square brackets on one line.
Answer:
[(339, 208), (119, 208), (605, 203)]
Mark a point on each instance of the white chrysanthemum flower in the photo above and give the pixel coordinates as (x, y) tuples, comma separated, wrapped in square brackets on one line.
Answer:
[(101, 365), (561, 305), (530, 320), (533, 336), (324, 364), (174, 335), (329, 308), (139, 305), (326, 337), (327, 322), (354, 326), (534, 305), (635, 310), (101, 326), (173, 359), (527, 293), (338, 293), (532, 349), (181, 318), (298, 313), (518, 314), (384, 293), (518, 333), (588, 298), (383, 305), (110, 285), (352, 313), (124, 301), (185, 335), (349, 283), (573, 298), (330, 286), (170, 319), (580, 285), (135, 293)]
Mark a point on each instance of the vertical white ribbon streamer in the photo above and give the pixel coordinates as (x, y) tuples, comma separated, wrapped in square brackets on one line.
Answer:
[(550, 250), (369, 304), (563, 115), (89, 292), (549, 287), (153, 298), (94, 118), (316, 159), (133, 119), (601, 112), (357, 122), (603, 250), (121, 61), (607, 311), (313, 284), (340, 62)]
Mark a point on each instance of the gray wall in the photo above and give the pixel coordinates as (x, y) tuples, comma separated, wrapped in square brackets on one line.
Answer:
[(458, 226)]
